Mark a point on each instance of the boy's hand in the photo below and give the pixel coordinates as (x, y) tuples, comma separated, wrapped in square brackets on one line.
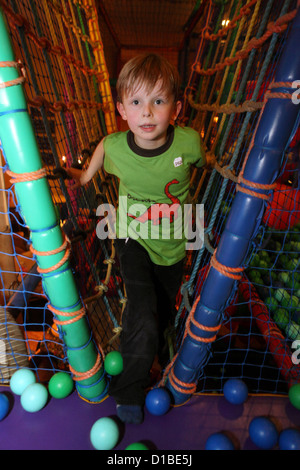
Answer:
[(210, 161), (73, 174), (74, 185)]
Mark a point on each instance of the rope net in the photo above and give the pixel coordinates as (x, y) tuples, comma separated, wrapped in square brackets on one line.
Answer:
[(231, 79), (62, 68)]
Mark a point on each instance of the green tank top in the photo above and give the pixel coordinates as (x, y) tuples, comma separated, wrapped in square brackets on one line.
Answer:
[(153, 189)]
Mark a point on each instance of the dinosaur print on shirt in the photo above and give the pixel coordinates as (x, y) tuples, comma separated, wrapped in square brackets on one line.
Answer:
[(157, 211)]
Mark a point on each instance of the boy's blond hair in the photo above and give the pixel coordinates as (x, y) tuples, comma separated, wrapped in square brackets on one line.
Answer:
[(148, 69)]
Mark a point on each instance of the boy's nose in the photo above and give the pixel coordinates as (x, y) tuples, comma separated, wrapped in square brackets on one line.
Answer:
[(147, 110)]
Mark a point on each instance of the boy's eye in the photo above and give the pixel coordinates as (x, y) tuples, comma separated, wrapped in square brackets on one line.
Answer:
[(158, 101), (135, 102)]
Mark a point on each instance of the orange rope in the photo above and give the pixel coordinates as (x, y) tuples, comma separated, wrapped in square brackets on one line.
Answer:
[(78, 376), (17, 20), (204, 328), (64, 246), (241, 179), (61, 106), (226, 270), (180, 386), (269, 94), (255, 186), (244, 11), (50, 252), (277, 27), (24, 177), (32, 176), (77, 315), (16, 81)]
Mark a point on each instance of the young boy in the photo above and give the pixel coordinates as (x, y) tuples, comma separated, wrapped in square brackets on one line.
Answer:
[(152, 161)]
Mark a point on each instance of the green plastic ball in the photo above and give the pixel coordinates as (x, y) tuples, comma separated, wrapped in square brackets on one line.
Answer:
[(294, 395), (281, 317), (137, 446), (104, 434), (292, 331), (113, 363), (60, 385)]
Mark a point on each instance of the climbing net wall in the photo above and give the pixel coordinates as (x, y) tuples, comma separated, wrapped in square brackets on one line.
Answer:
[(61, 66), (232, 78)]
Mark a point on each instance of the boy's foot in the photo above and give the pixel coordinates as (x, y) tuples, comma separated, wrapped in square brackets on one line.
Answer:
[(130, 413)]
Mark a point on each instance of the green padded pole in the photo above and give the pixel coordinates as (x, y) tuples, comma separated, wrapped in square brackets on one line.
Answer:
[(23, 156)]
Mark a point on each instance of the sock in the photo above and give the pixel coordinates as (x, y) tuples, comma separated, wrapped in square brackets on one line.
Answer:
[(130, 413)]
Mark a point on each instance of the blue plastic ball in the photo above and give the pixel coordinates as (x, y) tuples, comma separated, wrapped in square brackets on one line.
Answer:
[(104, 434), (263, 433), (289, 439), (21, 379), (34, 397), (4, 406), (219, 441), (158, 401), (235, 391)]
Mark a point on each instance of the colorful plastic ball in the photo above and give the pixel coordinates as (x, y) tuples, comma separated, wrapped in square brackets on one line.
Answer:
[(263, 433), (158, 401), (137, 446), (60, 385), (289, 439), (113, 363), (21, 379), (34, 397), (294, 395), (104, 434), (4, 406), (219, 441), (235, 391)]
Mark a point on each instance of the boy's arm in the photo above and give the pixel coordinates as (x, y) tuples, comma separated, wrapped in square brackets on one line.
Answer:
[(83, 177)]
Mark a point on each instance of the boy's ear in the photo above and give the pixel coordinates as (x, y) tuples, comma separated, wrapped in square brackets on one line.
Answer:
[(177, 110), (121, 110)]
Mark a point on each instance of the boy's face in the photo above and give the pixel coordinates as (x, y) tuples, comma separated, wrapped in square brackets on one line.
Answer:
[(148, 114)]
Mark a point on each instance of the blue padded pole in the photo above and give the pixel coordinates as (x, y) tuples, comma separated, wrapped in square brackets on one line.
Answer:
[(276, 125)]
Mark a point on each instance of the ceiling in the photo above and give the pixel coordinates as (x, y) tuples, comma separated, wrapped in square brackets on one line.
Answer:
[(159, 23), (130, 25)]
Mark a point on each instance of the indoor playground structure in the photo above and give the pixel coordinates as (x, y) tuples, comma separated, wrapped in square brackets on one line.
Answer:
[(233, 378)]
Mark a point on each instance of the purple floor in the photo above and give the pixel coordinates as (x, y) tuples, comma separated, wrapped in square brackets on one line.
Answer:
[(64, 424)]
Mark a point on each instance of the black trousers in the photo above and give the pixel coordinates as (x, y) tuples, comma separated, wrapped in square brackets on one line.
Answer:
[(151, 293)]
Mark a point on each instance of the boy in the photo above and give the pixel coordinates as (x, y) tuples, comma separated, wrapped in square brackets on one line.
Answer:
[(152, 161)]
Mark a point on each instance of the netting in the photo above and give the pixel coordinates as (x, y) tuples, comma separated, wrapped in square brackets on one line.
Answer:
[(59, 49), (64, 75), (238, 55)]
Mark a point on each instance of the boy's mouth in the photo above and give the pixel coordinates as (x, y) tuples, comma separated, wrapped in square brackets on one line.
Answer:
[(147, 127)]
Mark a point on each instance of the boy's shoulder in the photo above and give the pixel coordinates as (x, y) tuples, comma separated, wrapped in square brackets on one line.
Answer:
[(185, 130), (187, 134), (115, 137)]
